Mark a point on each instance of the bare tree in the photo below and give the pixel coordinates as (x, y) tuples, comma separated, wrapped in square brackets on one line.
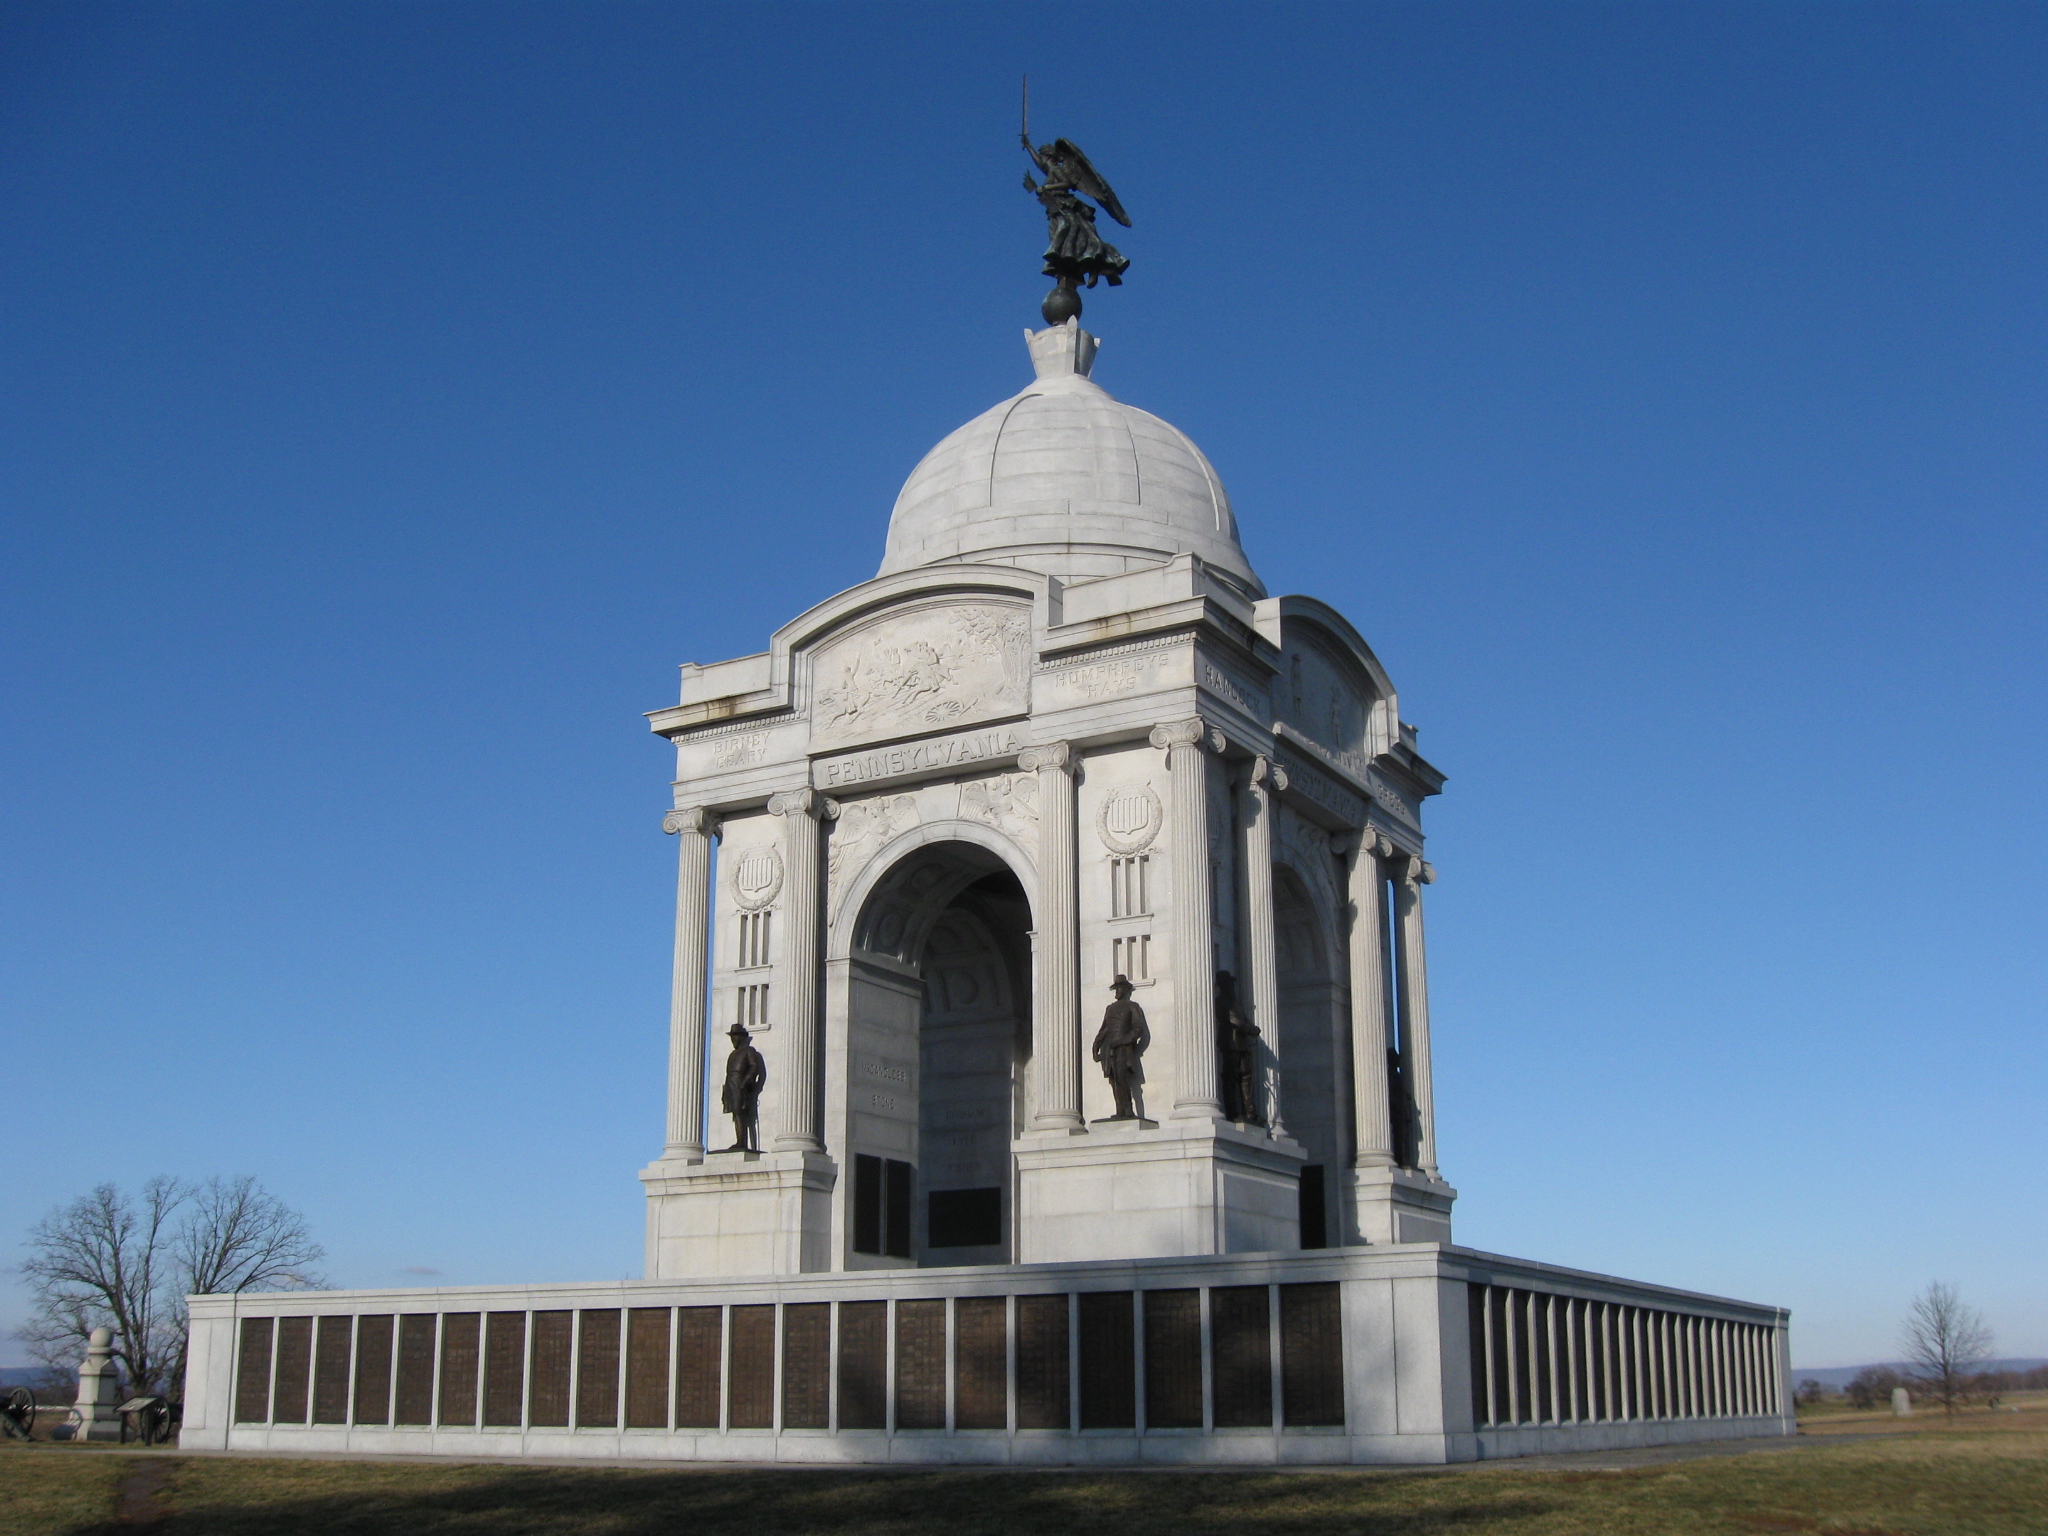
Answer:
[(103, 1261), (238, 1237), (1944, 1341), (106, 1260)]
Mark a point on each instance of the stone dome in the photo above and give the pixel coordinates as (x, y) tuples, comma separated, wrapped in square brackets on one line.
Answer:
[(1066, 480)]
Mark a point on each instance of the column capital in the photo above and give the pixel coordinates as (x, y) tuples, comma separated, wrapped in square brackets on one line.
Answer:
[(1414, 871), (689, 819), (1196, 732), (797, 802), (1266, 776), (1054, 754)]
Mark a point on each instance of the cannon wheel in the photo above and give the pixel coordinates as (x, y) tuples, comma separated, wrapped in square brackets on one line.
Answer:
[(21, 1409)]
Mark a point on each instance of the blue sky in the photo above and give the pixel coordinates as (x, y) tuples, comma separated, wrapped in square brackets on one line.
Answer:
[(1659, 388)]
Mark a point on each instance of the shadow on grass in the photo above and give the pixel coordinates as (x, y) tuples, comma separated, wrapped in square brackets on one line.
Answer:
[(235, 1498)]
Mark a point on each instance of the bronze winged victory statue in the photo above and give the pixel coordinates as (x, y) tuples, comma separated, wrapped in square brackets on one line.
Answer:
[(1074, 253)]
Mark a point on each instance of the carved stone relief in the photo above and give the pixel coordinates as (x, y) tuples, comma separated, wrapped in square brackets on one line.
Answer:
[(1323, 704), (1008, 802), (756, 877), (912, 672), (1129, 818), (861, 827)]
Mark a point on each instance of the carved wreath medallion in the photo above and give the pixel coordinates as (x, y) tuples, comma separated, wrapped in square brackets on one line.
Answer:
[(1129, 819), (756, 876)]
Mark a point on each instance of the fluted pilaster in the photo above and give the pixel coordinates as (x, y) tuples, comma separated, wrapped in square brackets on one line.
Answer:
[(1056, 1008), (1187, 744), (1370, 1034), (803, 897), (1261, 784), (1411, 875), (692, 830)]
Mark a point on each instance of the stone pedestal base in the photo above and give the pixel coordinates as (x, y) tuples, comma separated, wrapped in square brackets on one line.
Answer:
[(1140, 1189), (739, 1213), (1396, 1205)]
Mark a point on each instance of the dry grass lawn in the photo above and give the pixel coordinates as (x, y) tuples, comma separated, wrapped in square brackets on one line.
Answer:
[(1987, 1476)]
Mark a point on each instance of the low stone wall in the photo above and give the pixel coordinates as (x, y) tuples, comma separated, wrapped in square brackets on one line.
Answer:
[(1417, 1353)]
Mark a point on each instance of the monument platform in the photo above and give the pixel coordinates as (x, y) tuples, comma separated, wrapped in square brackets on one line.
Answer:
[(1416, 1353)]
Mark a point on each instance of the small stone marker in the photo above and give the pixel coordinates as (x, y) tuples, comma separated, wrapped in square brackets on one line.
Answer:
[(1902, 1403)]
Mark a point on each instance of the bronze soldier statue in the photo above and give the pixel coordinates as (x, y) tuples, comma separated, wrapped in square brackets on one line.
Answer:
[(1118, 1045), (1237, 1043), (745, 1072)]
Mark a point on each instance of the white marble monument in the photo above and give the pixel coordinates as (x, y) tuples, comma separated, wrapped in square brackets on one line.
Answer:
[(1063, 737)]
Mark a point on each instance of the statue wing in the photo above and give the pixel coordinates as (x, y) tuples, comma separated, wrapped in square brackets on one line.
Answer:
[(1087, 179)]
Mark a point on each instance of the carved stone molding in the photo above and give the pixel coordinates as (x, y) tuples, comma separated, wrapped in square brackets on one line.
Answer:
[(694, 819), (1056, 754)]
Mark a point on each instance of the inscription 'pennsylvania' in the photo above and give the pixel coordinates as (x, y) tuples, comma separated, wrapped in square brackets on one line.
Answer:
[(934, 756)]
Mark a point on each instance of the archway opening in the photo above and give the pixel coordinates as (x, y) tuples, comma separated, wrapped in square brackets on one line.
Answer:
[(939, 1046), (1315, 1059)]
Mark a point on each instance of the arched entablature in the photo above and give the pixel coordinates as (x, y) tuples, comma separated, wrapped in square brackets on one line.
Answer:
[(1326, 670)]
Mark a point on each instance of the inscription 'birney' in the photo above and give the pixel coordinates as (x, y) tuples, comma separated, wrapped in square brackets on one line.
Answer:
[(917, 757)]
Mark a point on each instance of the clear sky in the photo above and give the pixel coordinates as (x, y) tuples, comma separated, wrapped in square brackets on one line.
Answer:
[(394, 395)]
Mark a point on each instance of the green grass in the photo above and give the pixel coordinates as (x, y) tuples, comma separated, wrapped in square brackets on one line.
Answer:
[(1967, 1482)]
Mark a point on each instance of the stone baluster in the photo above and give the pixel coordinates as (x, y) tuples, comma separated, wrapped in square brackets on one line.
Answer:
[(1056, 1010), (692, 830), (1187, 745), (1261, 783), (1411, 876), (1373, 1114), (802, 897)]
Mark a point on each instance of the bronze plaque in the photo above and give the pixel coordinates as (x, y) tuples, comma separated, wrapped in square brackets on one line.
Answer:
[(920, 1365), (504, 1368), (547, 1395), (1109, 1376), (294, 1369), (1173, 1359), (597, 1370), (1044, 1396), (330, 1370), (373, 1369), (459, 1359), (252, 1371), (1311, 1354), (416, 1368), (752, 1404), (1241, 1356), (981, 1363), (647, 1368), (864, 1365), (700, 1341), (807, 1365)]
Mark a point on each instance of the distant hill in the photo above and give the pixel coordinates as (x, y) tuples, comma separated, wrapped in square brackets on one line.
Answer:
[(1836, 1377)]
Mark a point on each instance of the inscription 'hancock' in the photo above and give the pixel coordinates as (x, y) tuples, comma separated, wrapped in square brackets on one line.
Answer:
[(917, 757)]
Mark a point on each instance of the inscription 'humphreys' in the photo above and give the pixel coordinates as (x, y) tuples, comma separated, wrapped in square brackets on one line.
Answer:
[(916, 757)]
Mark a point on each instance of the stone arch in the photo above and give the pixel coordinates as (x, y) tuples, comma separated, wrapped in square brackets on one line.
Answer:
[(928, 1028)]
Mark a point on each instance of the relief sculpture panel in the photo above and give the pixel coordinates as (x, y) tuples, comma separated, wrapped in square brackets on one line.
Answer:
[(911, 673)]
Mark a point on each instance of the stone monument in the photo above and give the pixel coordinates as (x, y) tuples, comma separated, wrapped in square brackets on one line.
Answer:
[(97, 1414), (1063, 744)]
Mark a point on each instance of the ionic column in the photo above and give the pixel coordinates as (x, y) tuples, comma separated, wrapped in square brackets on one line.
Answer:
[(692, 830), (1186, 744), (1372, 1114), (800, 810), (1056, 1009), (1411, 875), (1262, 782)]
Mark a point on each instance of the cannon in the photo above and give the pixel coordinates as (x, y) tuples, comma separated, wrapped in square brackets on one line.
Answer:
[(18, 1414)]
